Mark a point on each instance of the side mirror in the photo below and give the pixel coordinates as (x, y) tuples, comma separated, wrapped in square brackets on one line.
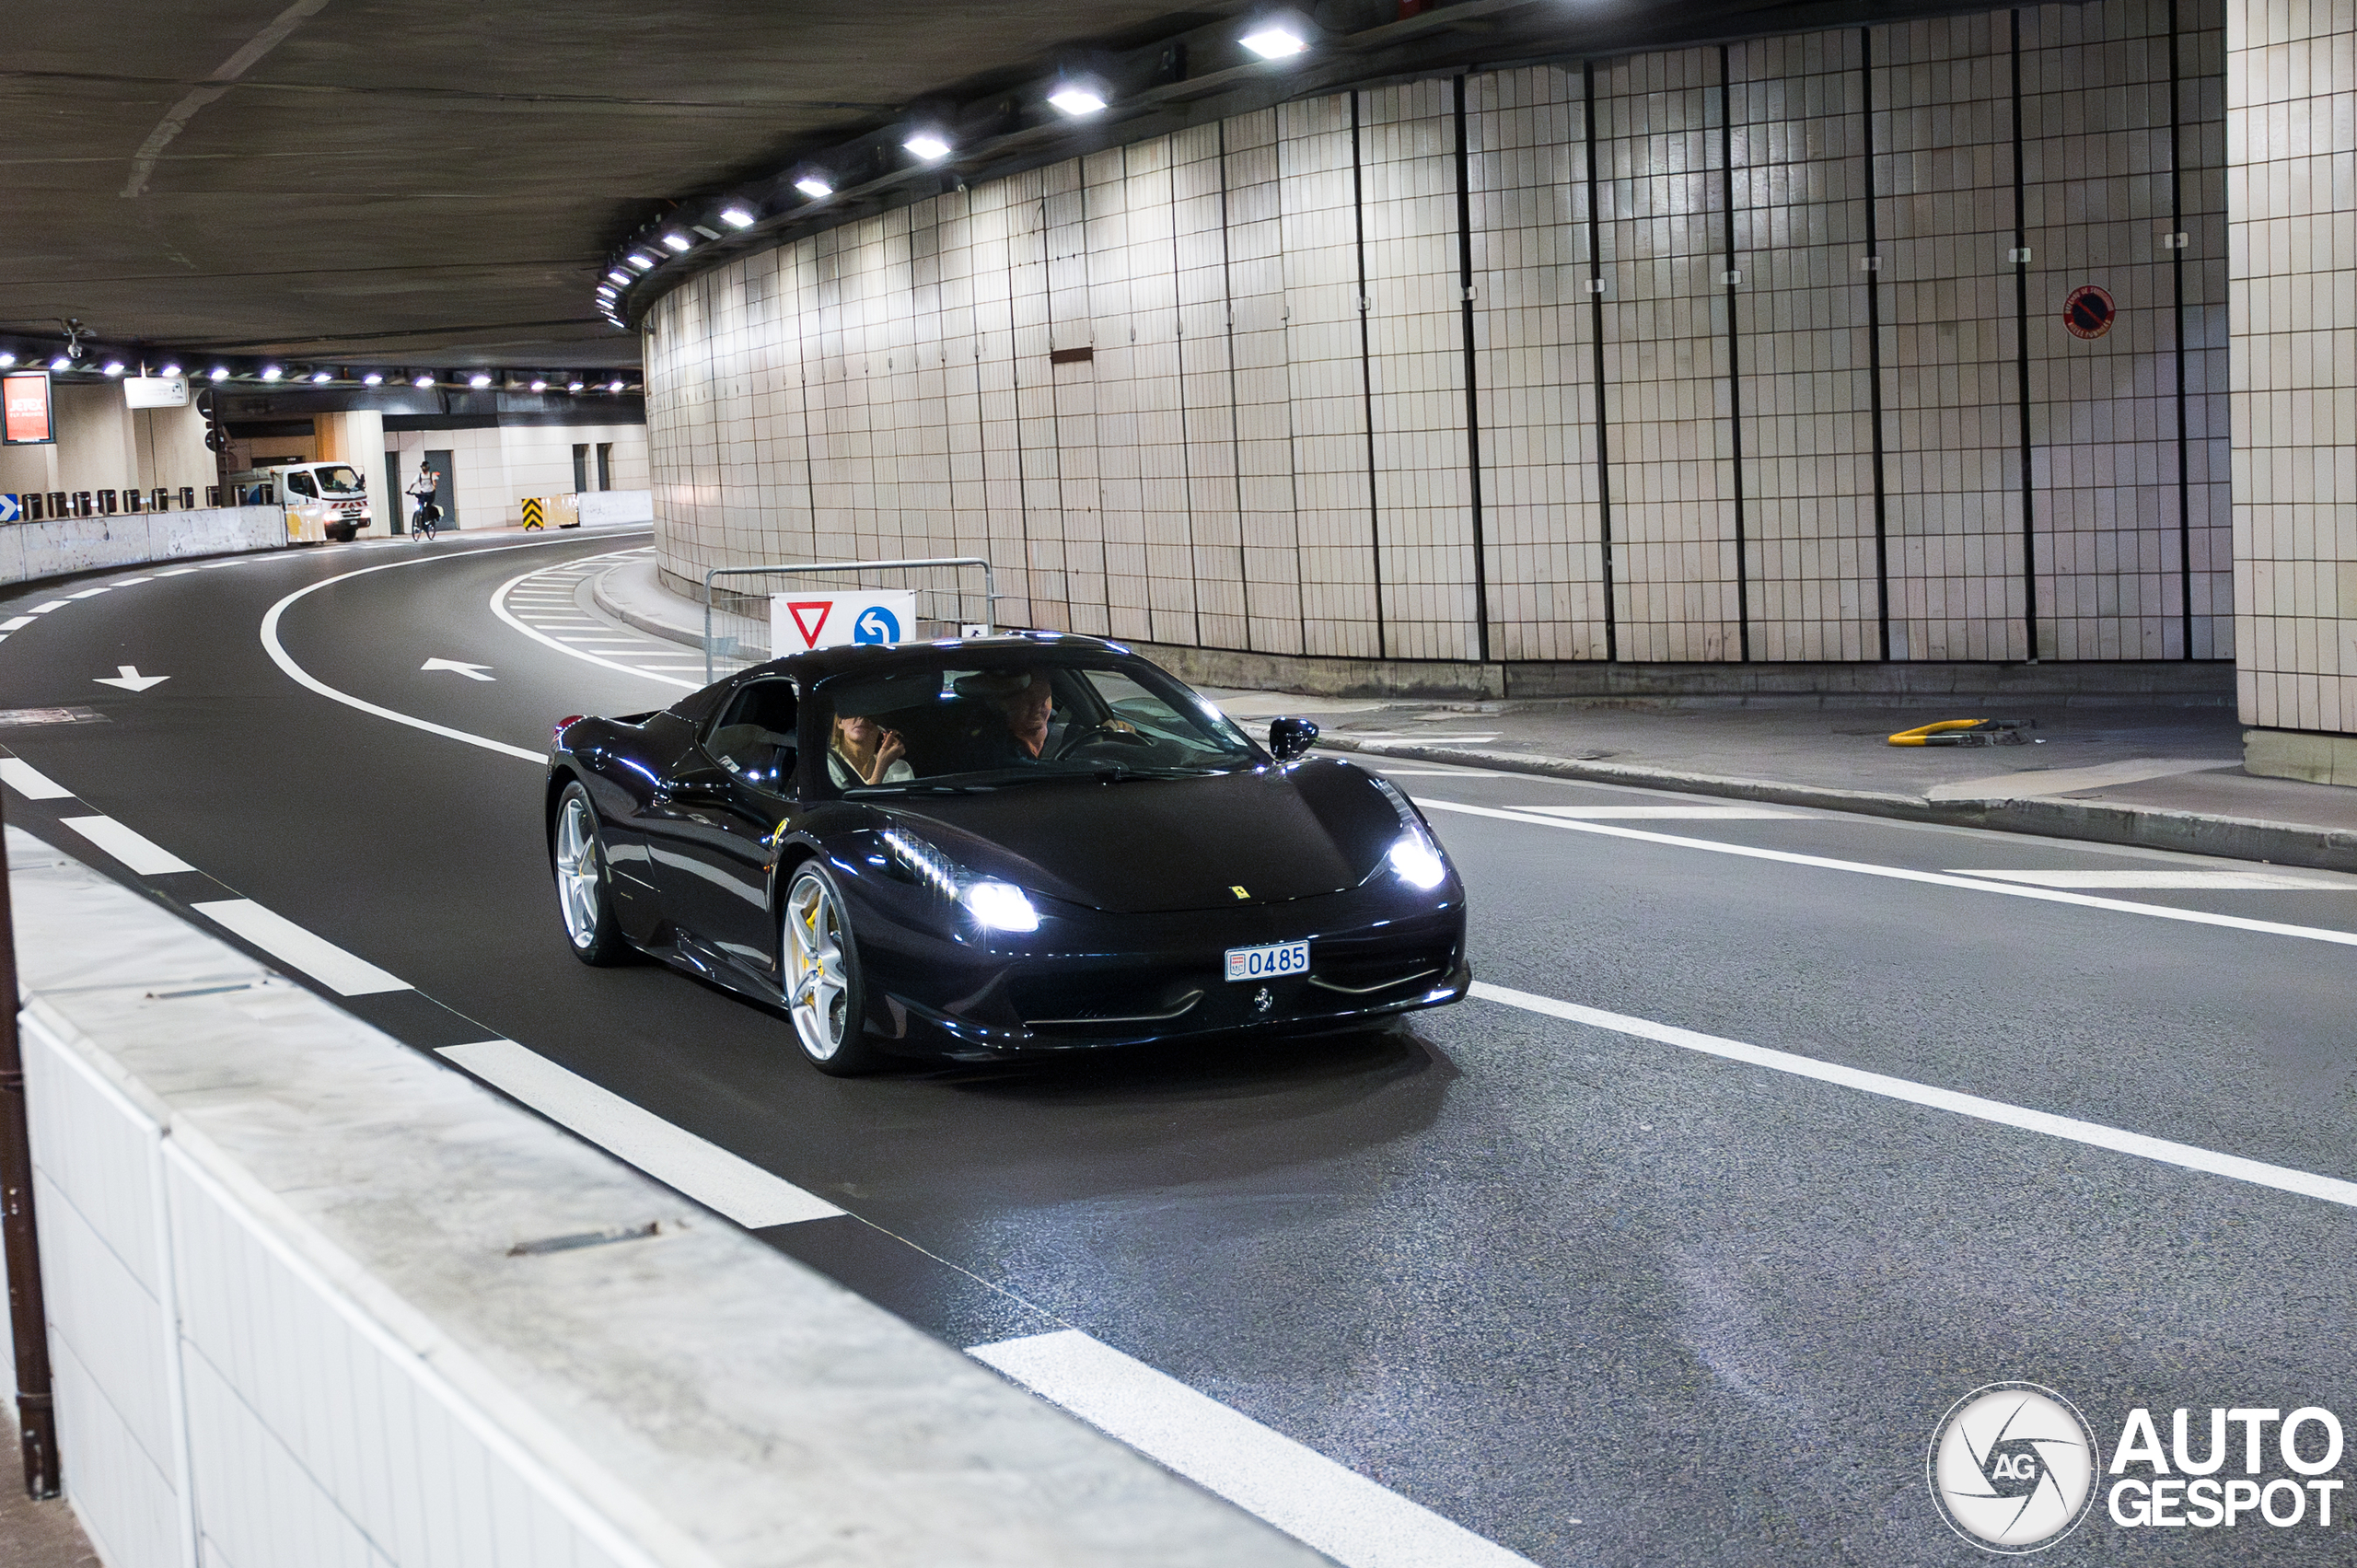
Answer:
[(1290, 738)]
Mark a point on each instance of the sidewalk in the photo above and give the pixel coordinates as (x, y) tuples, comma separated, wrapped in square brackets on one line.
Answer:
[(2164, 777)]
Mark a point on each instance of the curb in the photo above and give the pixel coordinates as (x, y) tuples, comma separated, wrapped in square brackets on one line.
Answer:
[(639, 618), (2144, 827)]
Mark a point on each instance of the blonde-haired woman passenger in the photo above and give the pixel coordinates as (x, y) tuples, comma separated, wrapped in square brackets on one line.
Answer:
[(864, 753)]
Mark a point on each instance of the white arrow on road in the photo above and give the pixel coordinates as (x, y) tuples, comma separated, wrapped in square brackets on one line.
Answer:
[(471, 671), (127, 676)]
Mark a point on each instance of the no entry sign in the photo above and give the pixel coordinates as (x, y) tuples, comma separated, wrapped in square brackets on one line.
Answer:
[(2089, 312)]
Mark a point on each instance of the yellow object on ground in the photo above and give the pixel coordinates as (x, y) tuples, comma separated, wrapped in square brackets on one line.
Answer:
[(1965, 732)]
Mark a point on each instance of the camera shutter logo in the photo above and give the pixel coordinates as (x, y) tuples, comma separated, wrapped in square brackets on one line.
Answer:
[(2012, 1468)]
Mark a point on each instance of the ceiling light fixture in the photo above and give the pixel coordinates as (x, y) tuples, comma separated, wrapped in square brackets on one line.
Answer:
[(614, 385), (736, 218), (676, 240), (1273, 42), (928, 146), (6, 358), (539, 386), (813, 187), (478, 380), (320, 375), (218, 373), (171, 369), (1076, 100), (642, 261), (424, 379), (374, 378), (60, 363), (114, 367), (271, 373), (573, 386)]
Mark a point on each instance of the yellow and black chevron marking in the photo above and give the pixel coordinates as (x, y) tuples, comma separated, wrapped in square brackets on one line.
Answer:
[(533, 517)]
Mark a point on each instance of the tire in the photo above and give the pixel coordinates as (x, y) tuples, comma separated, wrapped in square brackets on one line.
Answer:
[(584, 892), (819, 960)]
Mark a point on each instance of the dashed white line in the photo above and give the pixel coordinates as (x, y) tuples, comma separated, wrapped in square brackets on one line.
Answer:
[(345, 973), (1667, 813), (142, 855), (2281, 1178), (678, 1158), (93, 593), (2171, 877), (45, 609), (1328, 1506), (1904, 873), (29, 782), (15, 624)]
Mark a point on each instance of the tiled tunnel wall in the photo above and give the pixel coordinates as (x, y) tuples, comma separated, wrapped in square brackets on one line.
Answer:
[(1342, 391)]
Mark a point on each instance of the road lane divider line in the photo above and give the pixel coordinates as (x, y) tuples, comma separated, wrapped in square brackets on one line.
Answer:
[(499, 608), (1671, 813), (711, 1176), (2181, 879), (2189, 1156), (1903, 874), (141, 854), (345, 973), (30, 782), (304, 678), (15, 624), (1331, 1507)]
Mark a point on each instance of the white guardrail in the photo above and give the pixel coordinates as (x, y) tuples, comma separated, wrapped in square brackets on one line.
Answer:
[(61, 545), (291, 1327)]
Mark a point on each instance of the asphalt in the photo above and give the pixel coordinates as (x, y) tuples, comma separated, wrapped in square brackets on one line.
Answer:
[(1595, 1296)]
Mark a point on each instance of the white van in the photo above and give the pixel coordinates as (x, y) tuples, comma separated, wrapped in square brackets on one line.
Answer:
[(323, 501)]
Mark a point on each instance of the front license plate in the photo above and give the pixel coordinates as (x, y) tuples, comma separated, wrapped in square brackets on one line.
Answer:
[(1260, 963)]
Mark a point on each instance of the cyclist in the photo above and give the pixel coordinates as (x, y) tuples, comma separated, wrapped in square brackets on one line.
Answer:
[(429, 515)]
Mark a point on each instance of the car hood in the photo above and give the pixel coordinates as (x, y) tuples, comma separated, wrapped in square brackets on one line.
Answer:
[(1156, 845)]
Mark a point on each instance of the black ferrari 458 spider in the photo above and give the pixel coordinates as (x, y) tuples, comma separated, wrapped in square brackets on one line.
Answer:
[(984, 848)]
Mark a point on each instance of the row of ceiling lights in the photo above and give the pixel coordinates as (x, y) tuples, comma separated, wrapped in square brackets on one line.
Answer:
[(569, 381), (1072, 96)]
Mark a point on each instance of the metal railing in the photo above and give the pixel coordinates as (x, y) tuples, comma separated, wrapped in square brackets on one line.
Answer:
[(754, 631)]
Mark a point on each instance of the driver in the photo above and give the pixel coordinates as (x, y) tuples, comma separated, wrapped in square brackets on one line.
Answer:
[(1025, 702)]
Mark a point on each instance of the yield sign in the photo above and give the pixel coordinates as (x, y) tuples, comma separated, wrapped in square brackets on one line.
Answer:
[(808, 628)]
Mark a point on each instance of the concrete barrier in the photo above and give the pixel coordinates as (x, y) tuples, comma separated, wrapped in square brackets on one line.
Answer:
[(600, 508), (62, 545), (292, 1323)]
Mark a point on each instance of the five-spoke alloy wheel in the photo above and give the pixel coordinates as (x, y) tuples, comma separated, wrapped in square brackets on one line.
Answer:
[(821, 966), (582, 890)]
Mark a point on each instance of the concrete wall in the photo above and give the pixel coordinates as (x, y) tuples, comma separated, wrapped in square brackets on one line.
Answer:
[(2292, 94), (101, 445), (1274, 445), (497, 468), (292, 1325), (52, 549)]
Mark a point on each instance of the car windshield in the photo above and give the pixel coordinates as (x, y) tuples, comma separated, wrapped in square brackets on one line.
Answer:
[(959, 724), (341, 480)]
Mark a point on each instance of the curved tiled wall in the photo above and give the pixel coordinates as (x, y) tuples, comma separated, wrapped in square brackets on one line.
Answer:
[(1213, 389)]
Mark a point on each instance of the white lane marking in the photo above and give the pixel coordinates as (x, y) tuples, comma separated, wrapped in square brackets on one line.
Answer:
[(471, 671), (1419, 737), (127, 676), (2188, 879), (92, 593), (29, 782), (15, 624), (127, 582), (143, 854), (1667, 813), (177, 572), (678, 1158), (2281, 1178), (1328, 1506), (499, 608), (340, 971), (45, 609), (302, 677), (1901, 873)]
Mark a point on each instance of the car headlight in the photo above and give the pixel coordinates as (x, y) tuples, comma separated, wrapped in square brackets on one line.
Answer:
[(995, 905), (1414, 857)]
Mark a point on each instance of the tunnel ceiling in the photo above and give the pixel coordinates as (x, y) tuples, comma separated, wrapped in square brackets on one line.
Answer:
[(437, 181)]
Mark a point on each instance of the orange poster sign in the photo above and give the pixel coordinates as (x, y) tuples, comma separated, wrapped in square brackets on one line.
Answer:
[(25, 394)]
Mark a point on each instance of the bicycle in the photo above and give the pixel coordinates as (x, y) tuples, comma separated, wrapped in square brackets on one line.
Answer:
[(428, 518)]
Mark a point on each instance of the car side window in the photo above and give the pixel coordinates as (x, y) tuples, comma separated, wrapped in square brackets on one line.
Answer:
[(300, 484), (755, 736)]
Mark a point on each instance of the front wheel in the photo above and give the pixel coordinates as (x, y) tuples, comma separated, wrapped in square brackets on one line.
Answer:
[(585, 893), (823, 994)]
